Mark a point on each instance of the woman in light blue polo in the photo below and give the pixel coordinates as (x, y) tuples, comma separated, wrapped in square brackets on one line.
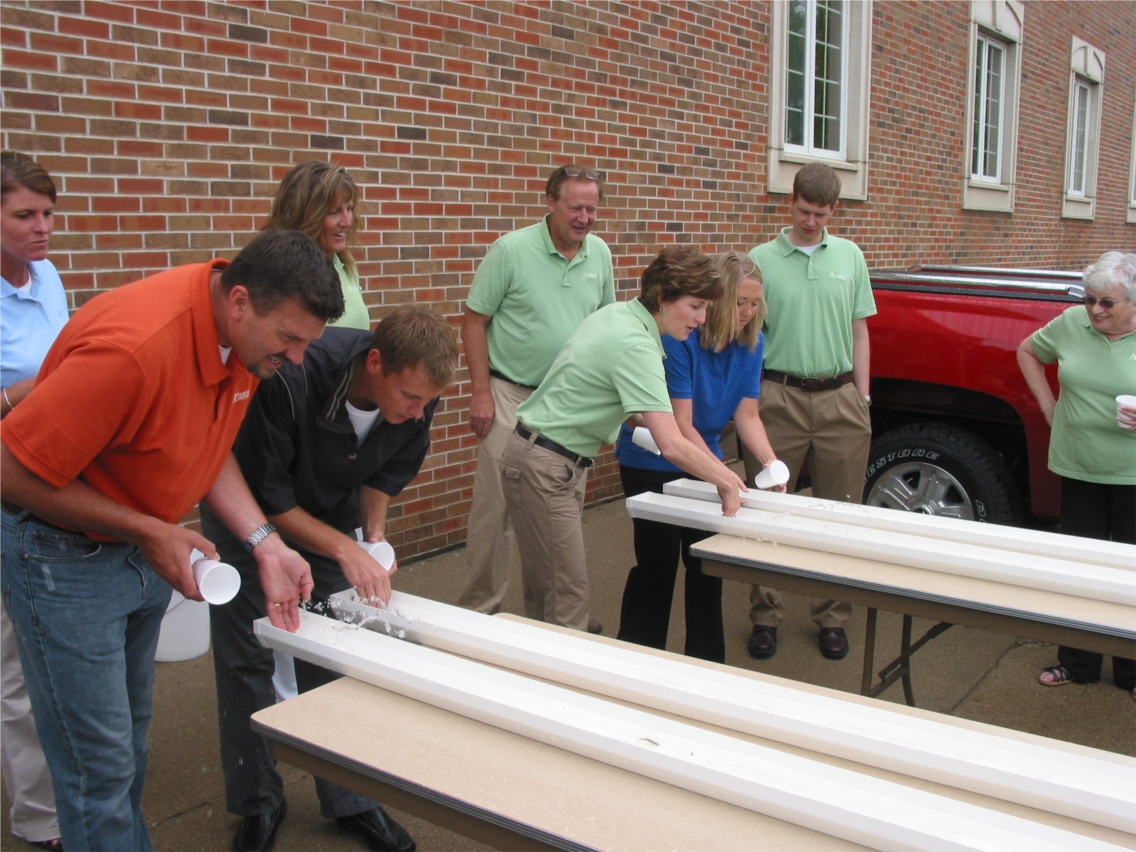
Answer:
[(34, 309), (713, 376)]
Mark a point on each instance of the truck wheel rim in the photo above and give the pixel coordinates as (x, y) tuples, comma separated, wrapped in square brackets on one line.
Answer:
[(921, 487)]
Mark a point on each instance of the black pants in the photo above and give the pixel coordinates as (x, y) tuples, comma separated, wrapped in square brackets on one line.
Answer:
[(646, 610), (243, 669), (1108, 512)]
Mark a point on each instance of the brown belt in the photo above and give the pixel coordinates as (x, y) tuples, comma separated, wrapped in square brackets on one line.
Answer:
[(810, 385)]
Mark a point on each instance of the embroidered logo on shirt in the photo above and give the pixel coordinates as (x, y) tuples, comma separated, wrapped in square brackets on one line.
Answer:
[(239, 395)]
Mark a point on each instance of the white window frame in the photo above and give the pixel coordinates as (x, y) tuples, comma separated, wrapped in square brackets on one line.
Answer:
[(851, 161), (1001, 22), (1086, 76), (1131, 218), (982, 97), (809, 147)]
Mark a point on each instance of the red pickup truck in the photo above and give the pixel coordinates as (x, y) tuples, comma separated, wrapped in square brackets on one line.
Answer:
[(956, 430)]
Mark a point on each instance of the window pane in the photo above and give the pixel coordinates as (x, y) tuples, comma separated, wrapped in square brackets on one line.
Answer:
[(1081, 108), (993, 110), (814, 86), (979, 102), (795, 74), (827, 89)]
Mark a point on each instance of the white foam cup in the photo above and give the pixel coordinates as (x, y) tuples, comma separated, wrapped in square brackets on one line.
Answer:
[(642, 437), (218, 582), (380, 551), (776, 474), (1125, 399)]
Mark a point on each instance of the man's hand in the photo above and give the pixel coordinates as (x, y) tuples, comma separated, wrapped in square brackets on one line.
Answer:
[(167, 550), (286, 579), (481, 413), (368, 577)]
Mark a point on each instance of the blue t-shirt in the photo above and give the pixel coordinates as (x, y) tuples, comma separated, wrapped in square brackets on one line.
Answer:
[(29, 322), (715, 382)]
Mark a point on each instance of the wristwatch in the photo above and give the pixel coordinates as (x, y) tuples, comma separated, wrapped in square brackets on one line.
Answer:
[(258, 535)]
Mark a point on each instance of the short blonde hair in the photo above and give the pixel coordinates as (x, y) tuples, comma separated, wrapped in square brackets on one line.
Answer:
[(721, 328), (306, 195), (413, 335)]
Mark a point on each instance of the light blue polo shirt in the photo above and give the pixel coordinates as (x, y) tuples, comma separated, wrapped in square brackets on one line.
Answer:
[(30, 320)]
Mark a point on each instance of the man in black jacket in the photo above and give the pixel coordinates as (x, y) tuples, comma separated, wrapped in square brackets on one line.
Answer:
[(324, 448)]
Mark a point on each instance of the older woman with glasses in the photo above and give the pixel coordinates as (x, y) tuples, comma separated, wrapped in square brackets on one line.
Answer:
[(1092, 445)]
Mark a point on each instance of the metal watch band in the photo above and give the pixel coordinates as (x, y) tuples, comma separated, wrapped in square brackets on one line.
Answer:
[(258, 535)]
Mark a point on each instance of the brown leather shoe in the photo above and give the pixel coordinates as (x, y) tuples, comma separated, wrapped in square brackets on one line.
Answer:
[(762, 642), (594, 626), (833, 643)]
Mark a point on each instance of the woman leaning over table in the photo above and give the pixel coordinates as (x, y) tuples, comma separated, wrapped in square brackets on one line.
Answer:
[(609, 371), (318, 199), (712, 377), (1092, 445), (34, 310)]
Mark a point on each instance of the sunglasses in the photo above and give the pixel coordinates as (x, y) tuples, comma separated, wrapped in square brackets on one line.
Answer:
[(1107, 304), (575, 172)]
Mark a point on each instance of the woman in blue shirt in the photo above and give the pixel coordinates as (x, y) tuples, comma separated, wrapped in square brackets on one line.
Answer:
[(33, 308), (713, 376)]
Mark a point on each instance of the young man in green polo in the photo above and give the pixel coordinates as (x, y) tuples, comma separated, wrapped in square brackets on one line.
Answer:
[(814, 389)]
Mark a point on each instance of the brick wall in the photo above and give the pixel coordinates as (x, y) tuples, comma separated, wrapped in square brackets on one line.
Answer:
[(168, 124)]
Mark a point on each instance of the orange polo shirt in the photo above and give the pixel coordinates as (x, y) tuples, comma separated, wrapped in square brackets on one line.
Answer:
[(133, 397)]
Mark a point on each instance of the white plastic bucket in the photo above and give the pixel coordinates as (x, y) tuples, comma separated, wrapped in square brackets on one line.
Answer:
[(185, 630)]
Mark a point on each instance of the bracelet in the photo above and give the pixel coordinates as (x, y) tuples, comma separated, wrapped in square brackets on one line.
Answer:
[(258, 535), (7, 402)]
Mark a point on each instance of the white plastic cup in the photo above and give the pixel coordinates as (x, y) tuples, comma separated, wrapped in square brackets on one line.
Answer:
[(1125, 399), (776, 474), (218, 582), (380, 551), (642, 437)]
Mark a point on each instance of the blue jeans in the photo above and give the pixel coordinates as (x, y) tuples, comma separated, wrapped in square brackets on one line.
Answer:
[(87, 616)]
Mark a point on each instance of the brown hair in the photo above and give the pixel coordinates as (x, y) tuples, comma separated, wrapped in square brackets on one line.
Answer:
[(679, 271), (559, 176), (280, 265), (413, 335), (817, 183), (721, 327), (306, 195), (19, 170)]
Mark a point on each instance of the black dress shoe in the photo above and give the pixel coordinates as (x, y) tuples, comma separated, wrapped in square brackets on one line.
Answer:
[(381, 832), (833, 643), (257, 833), (762, 642)]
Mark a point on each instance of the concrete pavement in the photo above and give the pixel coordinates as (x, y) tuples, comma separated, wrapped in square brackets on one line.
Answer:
[(968, 673)]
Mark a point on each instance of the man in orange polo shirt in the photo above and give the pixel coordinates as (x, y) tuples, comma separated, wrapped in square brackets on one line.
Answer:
[(130, 424)]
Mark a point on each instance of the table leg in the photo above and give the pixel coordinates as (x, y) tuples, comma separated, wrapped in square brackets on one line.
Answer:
[(869, 653)]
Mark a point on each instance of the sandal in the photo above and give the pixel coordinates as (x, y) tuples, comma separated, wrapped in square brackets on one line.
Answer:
[(1060, 676)]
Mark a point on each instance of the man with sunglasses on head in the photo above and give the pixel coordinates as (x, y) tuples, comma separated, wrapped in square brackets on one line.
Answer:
[(532, 290)]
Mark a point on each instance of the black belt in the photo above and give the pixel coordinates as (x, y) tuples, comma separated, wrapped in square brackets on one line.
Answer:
[(810, 385), (12, 509), (497, 374), (541, 441)]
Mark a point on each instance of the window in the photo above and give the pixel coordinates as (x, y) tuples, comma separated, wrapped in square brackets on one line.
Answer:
[(989, 97), (993, 80), (814, 108), (1131, 218), (820, 70), (1086, 73)]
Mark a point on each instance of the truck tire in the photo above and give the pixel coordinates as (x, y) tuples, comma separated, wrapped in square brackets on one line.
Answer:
[(938, 469)]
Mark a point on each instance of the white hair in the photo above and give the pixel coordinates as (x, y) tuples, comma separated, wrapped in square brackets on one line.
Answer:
[(1114, 269)]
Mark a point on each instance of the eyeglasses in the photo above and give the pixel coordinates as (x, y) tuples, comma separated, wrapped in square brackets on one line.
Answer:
[(576, 171), (1107, 304)]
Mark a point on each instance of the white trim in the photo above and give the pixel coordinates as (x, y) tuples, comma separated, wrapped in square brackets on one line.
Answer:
[(1002, 20), (1078, 579), (784, 162), (1086, 74), (1112, 554), (840, 802)]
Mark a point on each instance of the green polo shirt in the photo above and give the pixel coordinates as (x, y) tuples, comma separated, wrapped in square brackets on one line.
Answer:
[(355, 313), (537, 298), (611, 368), (812, 302), (1086, 442)]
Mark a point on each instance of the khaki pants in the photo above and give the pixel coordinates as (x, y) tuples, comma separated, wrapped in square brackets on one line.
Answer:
[(544, 493), (833, 429), (489, 539)]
